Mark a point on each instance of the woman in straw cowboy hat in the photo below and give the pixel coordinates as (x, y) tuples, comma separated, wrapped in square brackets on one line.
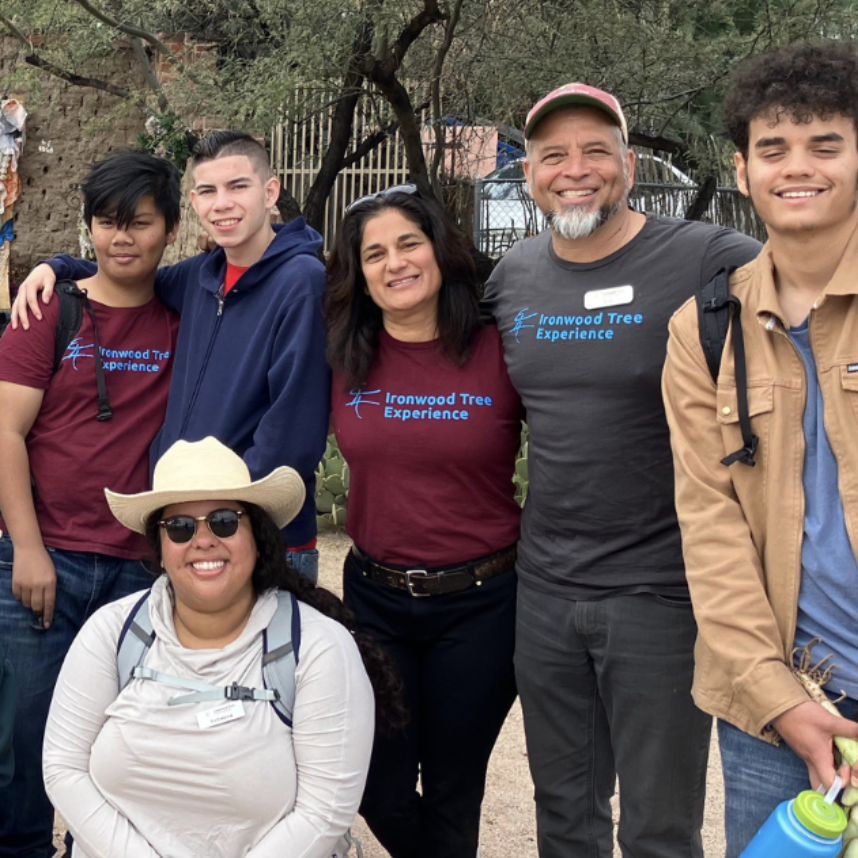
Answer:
[(142, 773)]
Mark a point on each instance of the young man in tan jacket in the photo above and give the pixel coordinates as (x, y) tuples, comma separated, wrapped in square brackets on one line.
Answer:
[(770, 541)]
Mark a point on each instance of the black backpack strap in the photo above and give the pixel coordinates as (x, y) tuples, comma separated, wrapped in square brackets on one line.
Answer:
[(716, 309), (713, 319), (72, 303), (69, 319)]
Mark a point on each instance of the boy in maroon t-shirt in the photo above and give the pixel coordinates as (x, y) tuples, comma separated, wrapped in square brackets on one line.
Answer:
[(58, 453)]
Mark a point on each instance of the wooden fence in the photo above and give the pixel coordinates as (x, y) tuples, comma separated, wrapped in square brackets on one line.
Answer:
[(298, 146)]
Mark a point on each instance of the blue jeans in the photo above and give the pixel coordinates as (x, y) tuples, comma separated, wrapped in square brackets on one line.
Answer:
[(305, 561), (605, 689), (758, 776), (85, 582)]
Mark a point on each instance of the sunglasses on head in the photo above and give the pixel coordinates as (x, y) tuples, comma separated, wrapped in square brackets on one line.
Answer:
[(396, 189), (222, 523)]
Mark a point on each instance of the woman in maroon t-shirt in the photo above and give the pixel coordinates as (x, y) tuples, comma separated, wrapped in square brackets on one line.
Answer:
[(429, 423)]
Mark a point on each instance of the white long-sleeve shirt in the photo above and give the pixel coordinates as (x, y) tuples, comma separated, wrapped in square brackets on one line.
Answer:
[(136, 778)]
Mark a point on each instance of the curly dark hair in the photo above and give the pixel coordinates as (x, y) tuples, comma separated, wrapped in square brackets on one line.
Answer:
[(799, 81), (354, 321), (272, 571)]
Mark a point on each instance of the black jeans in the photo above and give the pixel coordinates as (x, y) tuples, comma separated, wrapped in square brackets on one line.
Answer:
[(606, 692), (455, 656)]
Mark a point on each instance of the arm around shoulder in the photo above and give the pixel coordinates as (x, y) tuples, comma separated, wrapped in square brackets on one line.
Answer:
[(740, 645)]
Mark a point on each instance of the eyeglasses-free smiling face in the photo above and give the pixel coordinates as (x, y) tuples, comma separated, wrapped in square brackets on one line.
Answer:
[(577, 169), (209, 574), (233, 201), (401, 272), (130, 254), (801, 176)]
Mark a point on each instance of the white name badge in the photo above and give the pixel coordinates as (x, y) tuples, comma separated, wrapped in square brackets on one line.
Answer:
[(613, 297), (221, 714)]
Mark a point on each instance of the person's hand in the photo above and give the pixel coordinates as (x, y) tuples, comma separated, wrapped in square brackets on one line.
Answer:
[(206, 243), (34, 581), (40, 279), (809, 730)]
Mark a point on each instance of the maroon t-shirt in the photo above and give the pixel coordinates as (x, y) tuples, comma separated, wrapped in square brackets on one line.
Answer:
[(74, 457), (431, 450)]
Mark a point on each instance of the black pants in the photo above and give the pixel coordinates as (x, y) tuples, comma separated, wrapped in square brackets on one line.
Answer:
[(455, 655), (606, 692)]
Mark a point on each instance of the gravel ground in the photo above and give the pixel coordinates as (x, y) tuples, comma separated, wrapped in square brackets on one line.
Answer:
[(508, 826)]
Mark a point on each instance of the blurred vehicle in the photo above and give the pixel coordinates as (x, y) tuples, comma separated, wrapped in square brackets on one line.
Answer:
[(504, 211)]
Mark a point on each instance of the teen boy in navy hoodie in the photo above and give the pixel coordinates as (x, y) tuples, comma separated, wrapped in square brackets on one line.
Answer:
[(250, 363)]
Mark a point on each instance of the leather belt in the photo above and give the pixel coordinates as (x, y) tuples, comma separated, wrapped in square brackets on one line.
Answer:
[(437, 581)]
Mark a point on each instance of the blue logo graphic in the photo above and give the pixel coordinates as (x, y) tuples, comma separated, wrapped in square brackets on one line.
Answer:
[(359, 399), (520, 319), (77, 350)]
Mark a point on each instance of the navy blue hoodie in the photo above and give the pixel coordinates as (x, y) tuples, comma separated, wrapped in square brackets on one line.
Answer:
[(250, 367)]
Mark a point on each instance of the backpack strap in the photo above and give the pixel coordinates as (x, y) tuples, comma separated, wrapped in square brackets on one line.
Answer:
[(132, 648), (68, 324), (69, 319), (281, 643), (716, 309)]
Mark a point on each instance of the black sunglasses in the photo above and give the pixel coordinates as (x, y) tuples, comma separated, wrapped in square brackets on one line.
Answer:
[(222, 523), (396, 189)]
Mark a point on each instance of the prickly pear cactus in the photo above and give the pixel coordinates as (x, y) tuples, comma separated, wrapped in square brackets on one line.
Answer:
[(332, 487), (520, 475), (332, 483)]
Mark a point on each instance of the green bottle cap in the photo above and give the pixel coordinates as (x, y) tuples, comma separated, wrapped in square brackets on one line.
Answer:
[(819, 816)]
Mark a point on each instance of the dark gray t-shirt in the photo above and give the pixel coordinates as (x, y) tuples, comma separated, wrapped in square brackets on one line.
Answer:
[(585, 344)]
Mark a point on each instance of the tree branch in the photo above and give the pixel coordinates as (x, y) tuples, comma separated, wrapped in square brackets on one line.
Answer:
[(374, 140), (430, 14), (435, 88), (15, 31), (149, 74), (34, 59), (131, 30)]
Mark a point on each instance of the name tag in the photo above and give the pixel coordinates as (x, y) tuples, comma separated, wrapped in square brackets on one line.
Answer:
[(613, 297), (221, 714), (852, 367)]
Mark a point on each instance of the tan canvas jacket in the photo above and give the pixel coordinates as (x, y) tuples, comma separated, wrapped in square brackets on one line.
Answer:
[(742, 527)]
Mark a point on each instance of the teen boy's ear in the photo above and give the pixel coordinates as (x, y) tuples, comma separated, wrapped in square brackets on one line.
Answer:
[(741, 173)]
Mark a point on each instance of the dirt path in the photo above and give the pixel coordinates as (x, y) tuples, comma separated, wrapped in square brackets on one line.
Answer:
[(508, 826)]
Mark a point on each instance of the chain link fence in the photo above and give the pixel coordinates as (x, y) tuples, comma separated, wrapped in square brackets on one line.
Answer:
[(504, 211)]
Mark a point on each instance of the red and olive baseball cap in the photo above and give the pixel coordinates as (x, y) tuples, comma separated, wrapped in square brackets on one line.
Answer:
[(571, 94)]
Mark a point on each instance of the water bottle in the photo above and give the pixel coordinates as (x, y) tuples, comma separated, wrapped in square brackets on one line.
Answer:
[(809, 826)]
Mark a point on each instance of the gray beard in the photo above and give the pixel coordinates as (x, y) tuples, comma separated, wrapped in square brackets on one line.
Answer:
[(573, 224)]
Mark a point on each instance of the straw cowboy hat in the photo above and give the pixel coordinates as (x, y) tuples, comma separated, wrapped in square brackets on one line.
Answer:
[(207, 470)]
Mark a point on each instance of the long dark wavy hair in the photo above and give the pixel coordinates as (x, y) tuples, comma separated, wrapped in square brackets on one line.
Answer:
[(273, 572), (354, 321)]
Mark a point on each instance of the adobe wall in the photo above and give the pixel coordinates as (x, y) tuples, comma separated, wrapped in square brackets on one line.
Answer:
[(47, 211)]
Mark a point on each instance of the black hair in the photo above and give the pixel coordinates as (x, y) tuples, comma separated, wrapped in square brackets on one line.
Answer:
[(273, 572), (221, 144), (798, 81), (114, 187), (352, 318)]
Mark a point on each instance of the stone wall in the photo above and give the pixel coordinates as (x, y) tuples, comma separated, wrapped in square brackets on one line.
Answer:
[(62, 116)]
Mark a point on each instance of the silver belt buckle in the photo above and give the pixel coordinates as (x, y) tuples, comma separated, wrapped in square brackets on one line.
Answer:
[(415, 573)]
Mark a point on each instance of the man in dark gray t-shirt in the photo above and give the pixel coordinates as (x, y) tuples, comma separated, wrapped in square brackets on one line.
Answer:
[(605, 635)]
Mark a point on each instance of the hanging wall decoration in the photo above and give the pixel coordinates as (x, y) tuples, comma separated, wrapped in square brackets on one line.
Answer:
[(13, 117)]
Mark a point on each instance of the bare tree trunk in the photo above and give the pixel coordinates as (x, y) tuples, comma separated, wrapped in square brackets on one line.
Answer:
[(705, 194), (342, 130), (409, 127)]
